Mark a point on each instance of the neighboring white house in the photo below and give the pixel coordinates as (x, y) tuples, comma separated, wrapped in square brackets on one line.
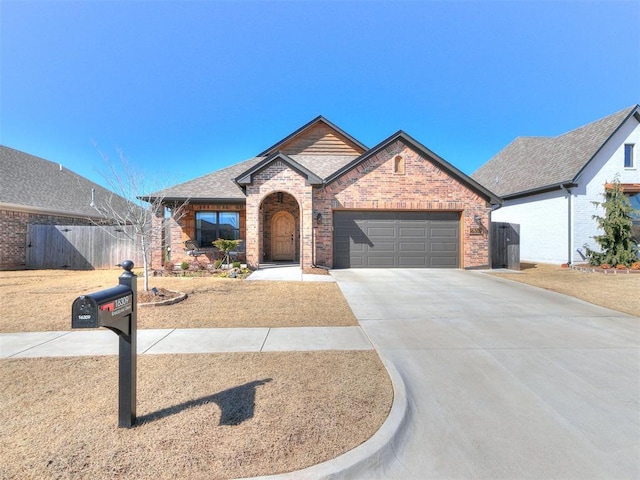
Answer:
[(549, 184)]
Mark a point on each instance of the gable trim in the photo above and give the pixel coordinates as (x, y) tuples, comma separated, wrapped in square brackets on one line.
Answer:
[(246, 178), (633, 113), (425, 152), (276, 147)]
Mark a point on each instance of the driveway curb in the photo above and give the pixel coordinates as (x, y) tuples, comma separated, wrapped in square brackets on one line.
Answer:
[(370, 454)]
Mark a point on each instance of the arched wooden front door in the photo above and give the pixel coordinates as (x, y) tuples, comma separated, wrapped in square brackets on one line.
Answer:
[(283, 234)]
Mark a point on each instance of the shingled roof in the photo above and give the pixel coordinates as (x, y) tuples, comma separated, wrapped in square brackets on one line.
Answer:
[(34, 184), (318, 147), (533, 164)]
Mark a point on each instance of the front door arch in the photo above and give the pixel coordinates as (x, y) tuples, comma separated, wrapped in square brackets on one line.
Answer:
[(283, 234)]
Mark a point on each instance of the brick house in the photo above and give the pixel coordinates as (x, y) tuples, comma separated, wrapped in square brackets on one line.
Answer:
[(321, 198), (548, 184), (37, 191)]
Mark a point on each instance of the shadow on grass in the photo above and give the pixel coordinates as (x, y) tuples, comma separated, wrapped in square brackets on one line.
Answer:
[(236, 405)]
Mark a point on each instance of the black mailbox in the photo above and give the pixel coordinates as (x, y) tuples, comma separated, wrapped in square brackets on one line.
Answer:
[(106, 308), (115, 308)]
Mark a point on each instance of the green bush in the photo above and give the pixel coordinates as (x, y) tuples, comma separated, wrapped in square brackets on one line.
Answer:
[(617, 245)]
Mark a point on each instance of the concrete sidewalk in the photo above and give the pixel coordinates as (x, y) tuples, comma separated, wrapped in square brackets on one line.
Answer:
[(193, 340), (287, 272)]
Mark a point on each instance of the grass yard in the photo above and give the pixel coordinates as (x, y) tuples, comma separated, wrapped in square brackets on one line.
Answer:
[(212, 302), (203, 416), (617, 292)]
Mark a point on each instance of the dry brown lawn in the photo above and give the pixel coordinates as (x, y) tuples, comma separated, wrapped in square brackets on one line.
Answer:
[(41, 301), (200, 416), (617, 292)]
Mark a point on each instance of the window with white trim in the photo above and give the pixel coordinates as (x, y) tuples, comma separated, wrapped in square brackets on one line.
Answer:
[(211, 226), (629, 160)]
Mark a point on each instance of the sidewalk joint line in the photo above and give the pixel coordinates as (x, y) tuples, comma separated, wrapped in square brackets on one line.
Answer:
[(159, 340), (38, 345), (265, 339)]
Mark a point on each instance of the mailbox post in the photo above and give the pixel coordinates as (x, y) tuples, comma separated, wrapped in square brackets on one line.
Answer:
[(116, 309)]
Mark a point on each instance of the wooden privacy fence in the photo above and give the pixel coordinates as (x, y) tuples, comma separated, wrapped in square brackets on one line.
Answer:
[(505, 245), (79, 247)]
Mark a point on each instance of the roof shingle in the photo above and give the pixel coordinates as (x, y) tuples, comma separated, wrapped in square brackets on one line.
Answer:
[(37, 184), (534, 163)]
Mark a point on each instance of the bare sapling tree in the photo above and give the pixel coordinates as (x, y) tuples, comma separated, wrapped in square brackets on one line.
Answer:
[(135, 216)]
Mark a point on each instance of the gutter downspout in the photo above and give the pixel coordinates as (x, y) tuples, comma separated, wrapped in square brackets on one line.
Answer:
[(569, 225)]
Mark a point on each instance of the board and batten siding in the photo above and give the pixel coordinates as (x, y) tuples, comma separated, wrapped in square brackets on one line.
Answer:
[(320, 140)]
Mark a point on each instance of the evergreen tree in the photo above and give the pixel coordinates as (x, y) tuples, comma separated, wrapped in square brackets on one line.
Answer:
[(617, 245)]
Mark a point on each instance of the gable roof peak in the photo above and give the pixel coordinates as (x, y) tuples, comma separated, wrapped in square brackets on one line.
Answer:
[(531, 164), (305, 139)]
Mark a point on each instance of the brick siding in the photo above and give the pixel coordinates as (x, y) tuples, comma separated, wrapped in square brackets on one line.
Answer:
[(372, 185)]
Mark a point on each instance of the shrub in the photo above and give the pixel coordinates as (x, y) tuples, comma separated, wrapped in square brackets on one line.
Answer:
[(635, 266), (621, 266), (184, 265), (236, 264), (218, 263), (605, 266), (169, 266), (617, 243)]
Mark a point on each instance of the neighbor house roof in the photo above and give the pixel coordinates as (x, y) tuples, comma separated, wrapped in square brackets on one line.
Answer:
[(33, 184), (533, 164)]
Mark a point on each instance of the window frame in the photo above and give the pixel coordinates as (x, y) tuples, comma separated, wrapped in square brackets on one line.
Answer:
[(218, 231), (629, 157)]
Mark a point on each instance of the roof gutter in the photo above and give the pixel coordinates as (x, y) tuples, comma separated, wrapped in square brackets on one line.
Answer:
[(47, 211), (536, 191)]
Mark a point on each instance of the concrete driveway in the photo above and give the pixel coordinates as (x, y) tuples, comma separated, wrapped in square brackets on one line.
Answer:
[(504, 381)]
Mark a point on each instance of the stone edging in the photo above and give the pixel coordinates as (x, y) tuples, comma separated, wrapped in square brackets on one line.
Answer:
[(606, 271), (164, 303)]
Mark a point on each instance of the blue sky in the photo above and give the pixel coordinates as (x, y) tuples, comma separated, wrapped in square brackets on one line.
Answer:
[(185, 88)]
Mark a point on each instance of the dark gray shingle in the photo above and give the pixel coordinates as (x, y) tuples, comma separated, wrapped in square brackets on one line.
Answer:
[(533, 163), (35, 183)]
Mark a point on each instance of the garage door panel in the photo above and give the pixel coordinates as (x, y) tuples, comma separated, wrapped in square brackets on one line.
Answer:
[(381, 232), (437, 247), (396, 239), (412, 247), (382, 248), (439, 232), (376, 262), (412, 262), (405, 232)]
